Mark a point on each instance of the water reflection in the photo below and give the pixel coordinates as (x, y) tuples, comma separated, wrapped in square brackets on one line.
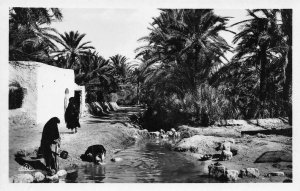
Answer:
[(145, 162)]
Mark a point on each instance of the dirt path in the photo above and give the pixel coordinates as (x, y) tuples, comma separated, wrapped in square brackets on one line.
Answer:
[(112, 131)]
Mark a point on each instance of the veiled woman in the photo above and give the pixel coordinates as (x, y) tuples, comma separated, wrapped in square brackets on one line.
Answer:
[(72, 115), (49, 144)]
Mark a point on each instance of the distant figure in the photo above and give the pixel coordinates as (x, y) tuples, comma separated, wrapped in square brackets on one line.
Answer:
[(66, 100), (50, 143), (72, 115), (94, 153)]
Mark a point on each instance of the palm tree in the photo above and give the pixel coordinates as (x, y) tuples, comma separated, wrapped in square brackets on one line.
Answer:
[(29, 38), (254, 76), (97, 74), (73, 49), (137, 75), (258, 40), (121, 67), (187, 46)]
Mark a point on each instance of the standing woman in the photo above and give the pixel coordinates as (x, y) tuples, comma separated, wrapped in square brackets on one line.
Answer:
[(50, 143), (72, 115)]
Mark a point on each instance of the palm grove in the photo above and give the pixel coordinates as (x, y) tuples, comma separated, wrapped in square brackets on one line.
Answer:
[(182, 73)]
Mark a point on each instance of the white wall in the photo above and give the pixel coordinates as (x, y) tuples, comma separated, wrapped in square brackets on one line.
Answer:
[(51, 85), (25, 74), (45, 89)]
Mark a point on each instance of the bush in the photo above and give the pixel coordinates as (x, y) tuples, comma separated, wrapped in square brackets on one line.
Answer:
[(202, 108)]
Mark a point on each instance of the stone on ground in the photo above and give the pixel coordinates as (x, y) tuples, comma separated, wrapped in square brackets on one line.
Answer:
[(217, 170), (53, 178), (225, 146), (39, 177), (232, 175), (117, 159), (23, 178), (204, 144), (226, 155), (62, 173), (249, 172)]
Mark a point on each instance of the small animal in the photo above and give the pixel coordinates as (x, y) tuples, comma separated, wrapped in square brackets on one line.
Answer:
[(95, 153)]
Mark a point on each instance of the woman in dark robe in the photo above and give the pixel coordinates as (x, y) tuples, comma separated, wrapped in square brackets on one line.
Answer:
[(72, 115), (50, 143)]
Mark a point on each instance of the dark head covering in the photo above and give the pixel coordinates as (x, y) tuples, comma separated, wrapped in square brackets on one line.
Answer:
[(50, 132), (71, 100)]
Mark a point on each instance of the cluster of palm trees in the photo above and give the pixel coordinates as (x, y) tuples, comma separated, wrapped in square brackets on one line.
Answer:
[(183, 67), (31, 39), (185, 64)]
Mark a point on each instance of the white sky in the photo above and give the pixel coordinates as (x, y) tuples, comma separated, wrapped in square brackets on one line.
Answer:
[(116, 31)]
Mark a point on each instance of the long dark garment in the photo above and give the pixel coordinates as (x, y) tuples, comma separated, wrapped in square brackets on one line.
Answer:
[(50, 143), (72, 115)]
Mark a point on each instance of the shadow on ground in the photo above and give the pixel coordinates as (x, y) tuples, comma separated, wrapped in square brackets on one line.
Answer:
[(284, 132), (34, 163)]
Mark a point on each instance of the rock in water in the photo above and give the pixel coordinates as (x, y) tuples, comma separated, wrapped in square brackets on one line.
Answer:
[(23, 178), (62, 173), (275, 156), (232, 175), (117, 159), (39, 177)]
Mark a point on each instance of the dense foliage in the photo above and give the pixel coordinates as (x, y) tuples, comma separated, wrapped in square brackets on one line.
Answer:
[(181, 72), (188, 78), (30, 37)]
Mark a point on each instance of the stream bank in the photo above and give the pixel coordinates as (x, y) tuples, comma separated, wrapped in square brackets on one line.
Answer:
[(116, 134)]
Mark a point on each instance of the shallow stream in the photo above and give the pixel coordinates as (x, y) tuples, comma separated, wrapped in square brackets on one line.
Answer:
[(144, 162)]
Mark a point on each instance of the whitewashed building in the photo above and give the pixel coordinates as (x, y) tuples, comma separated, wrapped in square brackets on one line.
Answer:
[(46, 89)]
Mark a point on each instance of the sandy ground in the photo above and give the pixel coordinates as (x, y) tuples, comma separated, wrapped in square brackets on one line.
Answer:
[(112, 132), (116, 133)]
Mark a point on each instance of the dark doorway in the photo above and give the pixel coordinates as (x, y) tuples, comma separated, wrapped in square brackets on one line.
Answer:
[(78, 97)]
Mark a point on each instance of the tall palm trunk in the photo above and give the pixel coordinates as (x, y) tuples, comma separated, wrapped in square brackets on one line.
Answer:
[(138, 93), (263, 74)]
